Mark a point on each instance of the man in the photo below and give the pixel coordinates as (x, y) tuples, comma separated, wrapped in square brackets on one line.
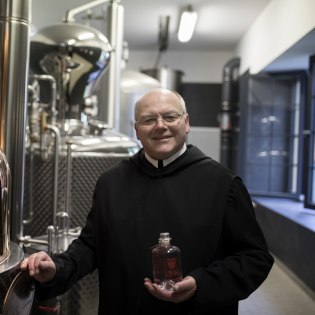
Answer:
[(206, 209)]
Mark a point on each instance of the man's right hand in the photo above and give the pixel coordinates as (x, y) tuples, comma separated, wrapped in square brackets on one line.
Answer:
[(40, 266)]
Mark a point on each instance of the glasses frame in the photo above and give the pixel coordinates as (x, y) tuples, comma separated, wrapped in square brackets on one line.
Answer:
[(149, 121)]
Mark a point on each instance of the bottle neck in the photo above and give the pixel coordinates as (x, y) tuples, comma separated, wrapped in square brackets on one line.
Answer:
[(165, 242)]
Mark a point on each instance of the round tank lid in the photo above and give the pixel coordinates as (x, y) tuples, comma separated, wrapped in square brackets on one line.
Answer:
[(72, 34)]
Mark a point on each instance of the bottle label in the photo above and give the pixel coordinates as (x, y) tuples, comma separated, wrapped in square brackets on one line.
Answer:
[(171, 263), (166, 269)]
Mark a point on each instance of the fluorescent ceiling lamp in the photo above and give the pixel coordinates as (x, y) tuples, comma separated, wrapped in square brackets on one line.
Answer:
[(187, 24)]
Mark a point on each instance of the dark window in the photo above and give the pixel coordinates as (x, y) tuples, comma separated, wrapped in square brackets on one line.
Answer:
[(310, 141), (271, 140), (203, 103)]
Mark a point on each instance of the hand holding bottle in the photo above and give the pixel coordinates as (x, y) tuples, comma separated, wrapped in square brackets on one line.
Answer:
[(182, 291), (167, 273)]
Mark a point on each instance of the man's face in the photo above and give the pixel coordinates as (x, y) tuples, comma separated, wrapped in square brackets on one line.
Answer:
[(161, 125)]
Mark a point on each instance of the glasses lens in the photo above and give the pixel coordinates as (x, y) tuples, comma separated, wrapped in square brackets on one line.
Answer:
[(168, 119)]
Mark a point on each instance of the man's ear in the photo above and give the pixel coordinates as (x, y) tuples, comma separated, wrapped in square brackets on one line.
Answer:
[(136, 129), (187, 123)]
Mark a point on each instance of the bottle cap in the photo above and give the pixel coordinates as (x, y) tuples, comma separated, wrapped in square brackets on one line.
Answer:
[(164, 238), (164, 235)]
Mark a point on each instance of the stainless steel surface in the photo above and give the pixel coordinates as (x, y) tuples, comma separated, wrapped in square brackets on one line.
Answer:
[(9, 269), (19, 9), (86, 168), (113, 27), (91, 155), (108, 142), (13, 261), (57, 139), (85, 7), (14, 52), (52, 81), (19, 298), (76, 56), (62, 231), (169, 79), (68, 187), (62, 169), (82, 298), (11, 254), (58, 244), (113, 77), (50, 239), (5, 184)]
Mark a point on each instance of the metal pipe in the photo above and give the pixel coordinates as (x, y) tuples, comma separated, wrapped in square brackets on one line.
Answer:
[(56, 132), (51, 240), (14, 61), (26, 240), (29, 217), (73, 12), (228, 113), (113, 75), (62, 229), (33, 113), (115, 25), (52, 81), (68, 188), (5, 185)]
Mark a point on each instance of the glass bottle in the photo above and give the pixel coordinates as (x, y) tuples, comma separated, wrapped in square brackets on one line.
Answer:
[(166, 263)]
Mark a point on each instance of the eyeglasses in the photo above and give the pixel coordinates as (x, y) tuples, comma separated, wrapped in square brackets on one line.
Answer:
[(169, 119)]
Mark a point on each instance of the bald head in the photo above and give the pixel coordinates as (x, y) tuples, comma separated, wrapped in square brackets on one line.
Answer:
[(159, 93)]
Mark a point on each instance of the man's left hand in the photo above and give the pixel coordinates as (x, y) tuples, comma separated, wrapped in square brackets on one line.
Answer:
[(183, 290)]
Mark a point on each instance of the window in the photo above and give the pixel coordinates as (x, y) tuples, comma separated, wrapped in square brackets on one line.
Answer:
[(271, 138), (310, 141)]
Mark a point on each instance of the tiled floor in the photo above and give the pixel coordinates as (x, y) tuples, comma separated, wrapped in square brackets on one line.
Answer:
[(279, 295)]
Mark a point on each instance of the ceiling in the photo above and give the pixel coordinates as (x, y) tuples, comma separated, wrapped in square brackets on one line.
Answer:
[(220, 25)]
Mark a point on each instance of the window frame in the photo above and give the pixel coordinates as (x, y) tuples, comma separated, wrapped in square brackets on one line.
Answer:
[(309, 134), (301, 77)]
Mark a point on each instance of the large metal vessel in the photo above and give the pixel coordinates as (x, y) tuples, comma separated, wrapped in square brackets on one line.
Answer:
[(54, 142), (14, 48), (76, 56), (67, 147), (169, 79), (11, 254)]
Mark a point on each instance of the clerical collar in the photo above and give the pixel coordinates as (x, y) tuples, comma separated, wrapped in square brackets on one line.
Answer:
[(167, 161)]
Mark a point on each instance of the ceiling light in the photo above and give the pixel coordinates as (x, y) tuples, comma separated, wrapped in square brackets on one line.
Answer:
[(187, 24)]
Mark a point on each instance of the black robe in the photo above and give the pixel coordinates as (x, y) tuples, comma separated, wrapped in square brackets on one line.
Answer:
[(209, 215)]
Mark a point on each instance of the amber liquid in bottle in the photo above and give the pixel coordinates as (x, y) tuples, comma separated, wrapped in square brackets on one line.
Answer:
[(166, 262)]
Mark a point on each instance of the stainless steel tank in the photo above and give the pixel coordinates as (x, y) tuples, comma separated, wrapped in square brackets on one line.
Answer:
[(11, 254), (14, 52), (76, 56), (169, 78), (4, 208), (90, 157), (67, 148)]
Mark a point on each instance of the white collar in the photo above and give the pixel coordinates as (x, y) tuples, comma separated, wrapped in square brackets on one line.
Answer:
[(169, 160)]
